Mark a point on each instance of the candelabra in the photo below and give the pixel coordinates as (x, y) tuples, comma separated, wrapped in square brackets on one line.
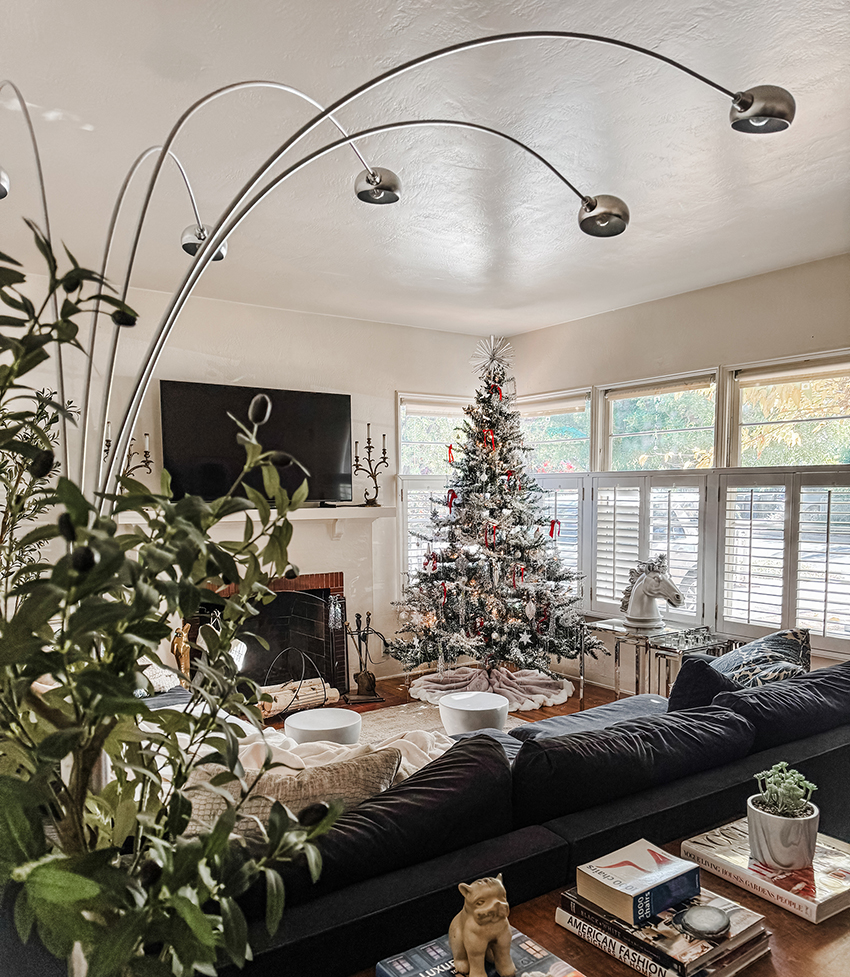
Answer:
[(371, 468), (129, 467)]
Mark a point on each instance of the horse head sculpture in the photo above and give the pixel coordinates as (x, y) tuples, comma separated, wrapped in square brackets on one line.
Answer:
[(649, 582)]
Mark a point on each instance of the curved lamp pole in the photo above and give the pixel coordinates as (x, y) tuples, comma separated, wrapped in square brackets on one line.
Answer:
[(60, 369), (164, 152)]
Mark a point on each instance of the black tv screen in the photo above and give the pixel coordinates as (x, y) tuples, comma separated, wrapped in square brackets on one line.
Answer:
[(201, 453)]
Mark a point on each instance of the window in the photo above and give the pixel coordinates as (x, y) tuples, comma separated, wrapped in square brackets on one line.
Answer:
[(754, 553), (641, 516), (427, 426), (793, 416), (557, 429), (661, 426), (823, 560), (562, 506)]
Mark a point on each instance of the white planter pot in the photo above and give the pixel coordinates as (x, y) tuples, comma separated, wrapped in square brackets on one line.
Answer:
[(783, 843)]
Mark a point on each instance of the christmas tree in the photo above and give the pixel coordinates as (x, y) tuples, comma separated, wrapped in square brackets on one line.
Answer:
[(492, 586)]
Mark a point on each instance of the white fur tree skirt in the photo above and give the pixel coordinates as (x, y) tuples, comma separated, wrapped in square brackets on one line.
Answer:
[(524, 690)]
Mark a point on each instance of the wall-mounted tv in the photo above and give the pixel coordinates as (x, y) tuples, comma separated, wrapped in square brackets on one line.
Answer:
[(202, 456)]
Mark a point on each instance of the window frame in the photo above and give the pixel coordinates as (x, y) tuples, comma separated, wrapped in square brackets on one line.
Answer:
[(675, 382)]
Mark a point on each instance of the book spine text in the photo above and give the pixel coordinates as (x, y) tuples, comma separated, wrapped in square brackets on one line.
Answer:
[(613, 947), (611, 928), (761, 887)]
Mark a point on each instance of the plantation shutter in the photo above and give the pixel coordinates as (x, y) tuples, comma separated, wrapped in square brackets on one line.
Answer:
[(754, 552), (563, 505), (618, 510), (416, 511), (823, 560), (675, 527)]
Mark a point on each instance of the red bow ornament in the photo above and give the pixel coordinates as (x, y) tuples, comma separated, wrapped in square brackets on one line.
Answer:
[(450, 499), (552, 527), (451, 454), (495, 386)]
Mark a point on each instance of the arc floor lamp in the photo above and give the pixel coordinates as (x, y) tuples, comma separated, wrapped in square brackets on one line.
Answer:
[(762, 109)]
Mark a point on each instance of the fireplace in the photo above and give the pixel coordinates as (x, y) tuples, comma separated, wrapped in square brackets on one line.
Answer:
[(295, 625)]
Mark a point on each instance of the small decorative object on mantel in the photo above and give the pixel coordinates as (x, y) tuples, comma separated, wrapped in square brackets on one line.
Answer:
[(370, 468), (648, 581), (782, 822), (481, 929)]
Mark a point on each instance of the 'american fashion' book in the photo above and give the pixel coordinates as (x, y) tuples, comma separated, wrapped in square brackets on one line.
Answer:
[(726, 966), (815, 893), (434, 959), (664, 939), (637, 882)]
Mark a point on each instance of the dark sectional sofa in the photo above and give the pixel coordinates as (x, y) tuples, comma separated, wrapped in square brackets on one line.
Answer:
[(533, 805)]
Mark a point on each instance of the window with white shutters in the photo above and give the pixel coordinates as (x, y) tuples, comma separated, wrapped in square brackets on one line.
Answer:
[(754, 554), (618, 537), (675, 532), (562, 506), (823, 560)]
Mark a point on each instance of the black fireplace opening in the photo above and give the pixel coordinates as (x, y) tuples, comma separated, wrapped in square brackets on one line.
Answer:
[(301, 645)]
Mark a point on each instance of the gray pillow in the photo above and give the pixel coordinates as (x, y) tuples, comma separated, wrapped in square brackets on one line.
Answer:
[(754, 664), (350, 781)]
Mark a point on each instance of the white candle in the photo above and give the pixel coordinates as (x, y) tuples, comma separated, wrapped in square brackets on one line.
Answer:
[(109, 430), (147, 441), (385, 442), (356, 445), (368, 431)]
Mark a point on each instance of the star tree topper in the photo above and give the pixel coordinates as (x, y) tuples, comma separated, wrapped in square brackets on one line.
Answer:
[(491, 355)]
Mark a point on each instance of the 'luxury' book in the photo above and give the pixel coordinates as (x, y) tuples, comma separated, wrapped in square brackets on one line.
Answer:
[(637, 882), (434, 959), (815, 893), (664, 939)]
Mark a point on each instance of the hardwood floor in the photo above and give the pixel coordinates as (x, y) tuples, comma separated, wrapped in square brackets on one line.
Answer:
[(395, 693)]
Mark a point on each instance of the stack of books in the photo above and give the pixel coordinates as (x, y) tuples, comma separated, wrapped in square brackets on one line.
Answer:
[(634, 904), (816, 892)]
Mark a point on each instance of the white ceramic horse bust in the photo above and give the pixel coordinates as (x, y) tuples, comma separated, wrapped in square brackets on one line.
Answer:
[(648, 583)]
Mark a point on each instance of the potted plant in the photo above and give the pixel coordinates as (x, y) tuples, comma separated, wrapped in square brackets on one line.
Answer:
[(782, 821), (102, 868)]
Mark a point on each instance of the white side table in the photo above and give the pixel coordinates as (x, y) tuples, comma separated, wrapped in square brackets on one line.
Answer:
[(464, 712), (335, 725)]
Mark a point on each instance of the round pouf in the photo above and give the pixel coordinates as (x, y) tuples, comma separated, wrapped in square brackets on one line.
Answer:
[(336, 725), (463, 712)]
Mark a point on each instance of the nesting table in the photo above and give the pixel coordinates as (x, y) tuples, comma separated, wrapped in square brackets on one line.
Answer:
[(312, 725), (659, 648)]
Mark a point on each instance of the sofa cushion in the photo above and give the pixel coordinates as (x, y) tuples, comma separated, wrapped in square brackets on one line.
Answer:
[(697, 684), (459, 799), (796, 708), (563, 774), (741, 664), (600, 717)]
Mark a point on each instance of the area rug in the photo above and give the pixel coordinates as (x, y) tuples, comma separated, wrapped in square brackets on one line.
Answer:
[(381, 724)]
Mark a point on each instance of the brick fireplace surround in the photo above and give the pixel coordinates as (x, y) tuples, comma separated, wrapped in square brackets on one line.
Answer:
[(312, 635)]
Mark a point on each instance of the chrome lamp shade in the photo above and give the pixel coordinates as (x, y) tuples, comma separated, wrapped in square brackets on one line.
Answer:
[(764, 108), (603, 215), (193, 237), (378, 186)]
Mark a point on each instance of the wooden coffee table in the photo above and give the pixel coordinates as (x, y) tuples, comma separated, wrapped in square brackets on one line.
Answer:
[(798, 948)]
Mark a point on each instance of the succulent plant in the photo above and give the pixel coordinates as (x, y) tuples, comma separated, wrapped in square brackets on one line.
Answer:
[(784, 791)]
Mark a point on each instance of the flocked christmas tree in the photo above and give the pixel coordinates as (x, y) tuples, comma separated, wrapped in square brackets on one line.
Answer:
[(492, 586)]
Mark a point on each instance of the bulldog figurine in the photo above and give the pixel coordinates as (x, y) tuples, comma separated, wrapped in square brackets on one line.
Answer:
[(481, 931)]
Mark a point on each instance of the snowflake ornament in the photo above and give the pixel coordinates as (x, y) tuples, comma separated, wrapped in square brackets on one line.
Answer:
[(490, 355)]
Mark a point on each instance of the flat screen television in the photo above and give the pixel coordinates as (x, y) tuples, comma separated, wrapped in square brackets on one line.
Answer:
[(201, 453)]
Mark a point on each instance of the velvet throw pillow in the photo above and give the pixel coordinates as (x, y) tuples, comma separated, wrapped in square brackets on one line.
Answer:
[(780, 655), (697, 684)]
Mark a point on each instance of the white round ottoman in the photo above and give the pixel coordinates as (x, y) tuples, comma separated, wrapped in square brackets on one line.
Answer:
[(463, 712), (336, 725)]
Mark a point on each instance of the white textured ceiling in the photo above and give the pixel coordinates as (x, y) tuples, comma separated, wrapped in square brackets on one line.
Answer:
[(484, 239)]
